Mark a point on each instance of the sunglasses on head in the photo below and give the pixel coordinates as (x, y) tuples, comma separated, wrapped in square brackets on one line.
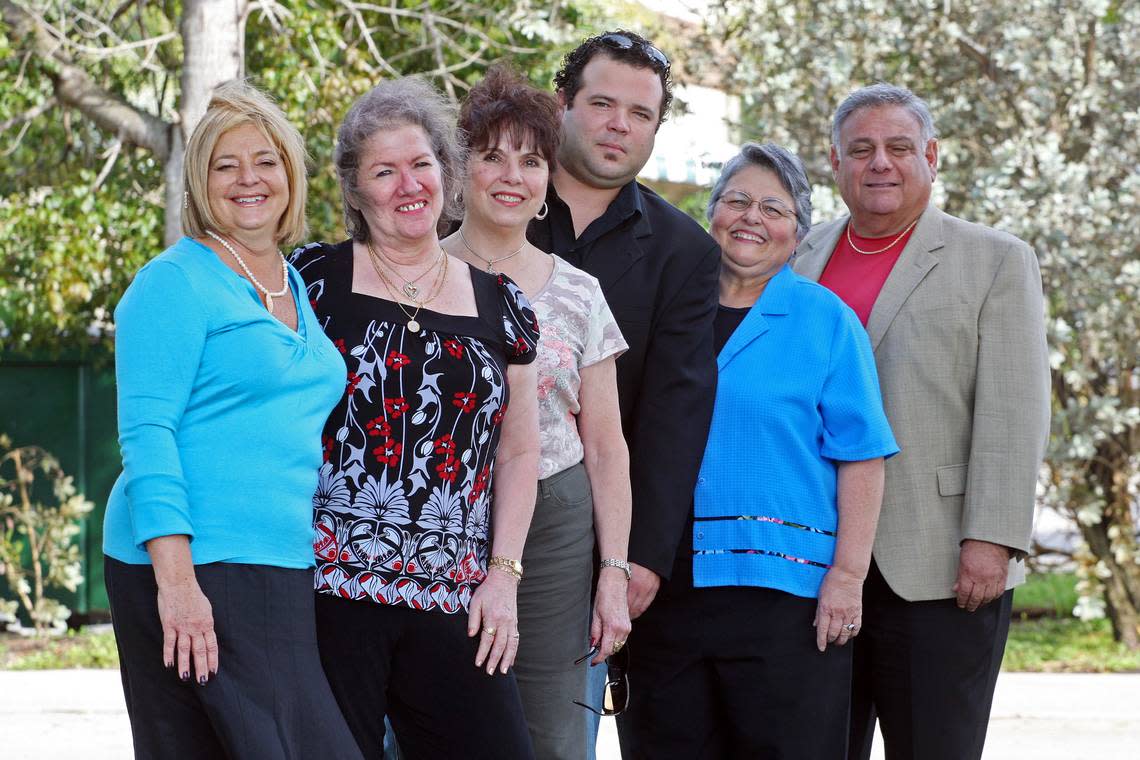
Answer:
[(616, 697), (622, 42)]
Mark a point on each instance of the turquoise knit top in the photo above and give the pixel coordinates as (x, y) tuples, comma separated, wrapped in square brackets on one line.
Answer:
[(221, 408)]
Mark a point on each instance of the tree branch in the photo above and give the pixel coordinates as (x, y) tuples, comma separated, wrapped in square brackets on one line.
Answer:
[(75, 88)]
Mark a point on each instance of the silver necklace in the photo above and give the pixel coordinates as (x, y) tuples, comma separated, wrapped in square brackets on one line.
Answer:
[(264, 290), (489, 262)]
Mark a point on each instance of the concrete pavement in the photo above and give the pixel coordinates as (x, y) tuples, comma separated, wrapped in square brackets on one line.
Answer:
[(79, 714)]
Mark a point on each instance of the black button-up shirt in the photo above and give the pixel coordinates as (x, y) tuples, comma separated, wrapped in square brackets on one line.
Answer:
[(658, 269)]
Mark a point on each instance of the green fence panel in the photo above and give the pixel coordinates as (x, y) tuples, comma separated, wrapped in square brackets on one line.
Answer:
[(68, 408)]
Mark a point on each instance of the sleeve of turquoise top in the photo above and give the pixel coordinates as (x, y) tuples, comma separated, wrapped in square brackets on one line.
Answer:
[(855, 426), (160, 330)]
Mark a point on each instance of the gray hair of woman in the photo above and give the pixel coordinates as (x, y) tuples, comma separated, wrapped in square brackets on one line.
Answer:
[(392, 104), (787, 167)]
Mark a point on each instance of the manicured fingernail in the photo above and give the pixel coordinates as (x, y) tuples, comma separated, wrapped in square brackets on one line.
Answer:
[(214, 672), (593, 642), (185, 676), (169, 665), (201, 680), (504, 671)]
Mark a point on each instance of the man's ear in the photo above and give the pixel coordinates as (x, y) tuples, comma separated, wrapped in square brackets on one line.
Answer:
[(834, 159), (931, 155), (563, 104)]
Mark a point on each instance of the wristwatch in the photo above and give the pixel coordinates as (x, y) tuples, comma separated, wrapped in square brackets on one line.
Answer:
[(620, 564)]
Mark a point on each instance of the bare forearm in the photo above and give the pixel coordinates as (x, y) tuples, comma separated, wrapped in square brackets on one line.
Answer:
[(516, 481), (860, 496), (608, 470), (172, 561)]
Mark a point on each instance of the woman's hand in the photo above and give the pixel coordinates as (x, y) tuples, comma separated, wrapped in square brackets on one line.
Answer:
[(184, 611), (188, 630), (493, 617), (840, 605), (610, 625)]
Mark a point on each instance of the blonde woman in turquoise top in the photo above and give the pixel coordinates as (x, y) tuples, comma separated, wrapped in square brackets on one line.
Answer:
[(225, 380)]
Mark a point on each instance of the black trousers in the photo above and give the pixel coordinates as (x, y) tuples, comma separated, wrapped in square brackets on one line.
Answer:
[(269, 700), (927, 671), (418, 668), (733, 673)]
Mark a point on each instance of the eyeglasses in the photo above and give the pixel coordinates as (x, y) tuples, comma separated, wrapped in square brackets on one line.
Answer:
[(616, 698), (770, 208), (623, 42)]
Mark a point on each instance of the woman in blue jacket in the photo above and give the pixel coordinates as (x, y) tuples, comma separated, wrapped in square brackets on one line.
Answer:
[(225, 380), (741, 654)]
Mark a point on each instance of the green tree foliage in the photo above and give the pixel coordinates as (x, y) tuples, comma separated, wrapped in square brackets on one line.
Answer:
[(1038, 107), (92, 113)]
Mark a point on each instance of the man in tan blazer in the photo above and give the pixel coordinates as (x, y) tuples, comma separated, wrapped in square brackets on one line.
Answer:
[(955, 315)]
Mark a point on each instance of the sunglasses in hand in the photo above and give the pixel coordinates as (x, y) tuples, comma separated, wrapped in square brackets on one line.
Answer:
[(617, 682)]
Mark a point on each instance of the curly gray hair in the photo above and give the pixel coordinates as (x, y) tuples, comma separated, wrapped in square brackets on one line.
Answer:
[(395, 103)]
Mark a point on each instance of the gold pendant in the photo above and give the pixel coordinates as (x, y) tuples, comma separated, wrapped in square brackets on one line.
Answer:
[(269, 302), (413, 325), (410, 290)]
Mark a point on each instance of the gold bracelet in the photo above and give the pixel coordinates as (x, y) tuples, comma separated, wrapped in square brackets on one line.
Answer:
[(507, 565)]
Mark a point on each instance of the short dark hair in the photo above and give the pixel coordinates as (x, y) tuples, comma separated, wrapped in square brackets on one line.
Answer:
[(568, 80), (506, 104)]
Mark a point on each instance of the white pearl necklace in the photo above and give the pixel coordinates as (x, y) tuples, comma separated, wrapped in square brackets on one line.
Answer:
[(264, 290)]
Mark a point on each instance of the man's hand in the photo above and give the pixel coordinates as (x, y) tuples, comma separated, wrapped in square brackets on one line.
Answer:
[(982, 570), (642, 588)]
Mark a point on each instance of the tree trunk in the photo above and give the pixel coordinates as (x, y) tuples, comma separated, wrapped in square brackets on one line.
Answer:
[(213, 34), (1122, 587)]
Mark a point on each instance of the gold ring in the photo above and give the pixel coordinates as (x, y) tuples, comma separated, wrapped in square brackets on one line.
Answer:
[(489, 631), (617, 646), (515, 635)]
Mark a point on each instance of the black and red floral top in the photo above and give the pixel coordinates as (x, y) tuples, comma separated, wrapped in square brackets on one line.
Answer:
[(402, 509)]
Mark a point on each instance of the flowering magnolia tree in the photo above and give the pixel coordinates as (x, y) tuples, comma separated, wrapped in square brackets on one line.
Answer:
[(1038, 108)]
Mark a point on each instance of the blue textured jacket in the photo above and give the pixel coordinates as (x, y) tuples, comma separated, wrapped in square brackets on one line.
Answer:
[(797, 393)]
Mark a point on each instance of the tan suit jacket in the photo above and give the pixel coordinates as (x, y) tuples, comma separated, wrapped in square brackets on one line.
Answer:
[(959, 338)]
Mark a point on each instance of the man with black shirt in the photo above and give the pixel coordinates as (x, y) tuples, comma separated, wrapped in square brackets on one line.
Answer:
[(658, 269)]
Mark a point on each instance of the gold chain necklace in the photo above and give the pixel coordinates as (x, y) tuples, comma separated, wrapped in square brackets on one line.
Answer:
[(489, 262), (436, 288), (857, 249), (409, 287)]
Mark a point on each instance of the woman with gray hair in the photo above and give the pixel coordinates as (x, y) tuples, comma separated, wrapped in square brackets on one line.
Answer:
[(785, 506), (416, 572)]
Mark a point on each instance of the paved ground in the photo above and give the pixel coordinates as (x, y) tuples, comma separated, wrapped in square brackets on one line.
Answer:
[(79, 715)]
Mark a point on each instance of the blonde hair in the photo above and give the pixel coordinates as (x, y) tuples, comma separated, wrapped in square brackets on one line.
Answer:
[(235, 104)]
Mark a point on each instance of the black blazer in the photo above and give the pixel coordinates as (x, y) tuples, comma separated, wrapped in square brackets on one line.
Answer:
[(659, 271)]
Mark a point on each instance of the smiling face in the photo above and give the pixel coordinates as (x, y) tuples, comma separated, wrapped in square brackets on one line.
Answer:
[(752, 246), (609, 129), (506, 184), (247, 185), (399, 187), (884, 169)]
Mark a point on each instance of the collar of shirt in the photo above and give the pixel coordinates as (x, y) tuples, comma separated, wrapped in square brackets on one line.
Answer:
[(626, 211)]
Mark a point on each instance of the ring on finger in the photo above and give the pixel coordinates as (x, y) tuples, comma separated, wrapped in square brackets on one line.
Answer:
[(850, 627), (515, 635), (489, 630)]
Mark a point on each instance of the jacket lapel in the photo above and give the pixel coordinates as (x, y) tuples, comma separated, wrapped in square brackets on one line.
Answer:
[(815, 250), (914, 262), (774, 300)]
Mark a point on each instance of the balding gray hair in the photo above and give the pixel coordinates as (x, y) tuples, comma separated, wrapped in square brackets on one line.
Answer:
[(883, 94), (787, 167), (395, 103)]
